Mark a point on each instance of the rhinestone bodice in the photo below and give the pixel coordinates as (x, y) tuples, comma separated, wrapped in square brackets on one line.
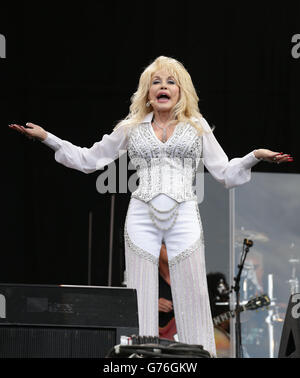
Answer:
[(168, 167)]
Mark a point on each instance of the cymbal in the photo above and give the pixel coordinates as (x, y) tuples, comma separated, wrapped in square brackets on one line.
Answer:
[(241, 234), (294, 261)]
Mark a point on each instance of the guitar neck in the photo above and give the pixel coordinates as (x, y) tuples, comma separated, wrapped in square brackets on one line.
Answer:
[(226, 315)]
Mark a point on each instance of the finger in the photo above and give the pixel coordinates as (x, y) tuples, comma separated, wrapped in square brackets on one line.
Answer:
[(16, 127), (163, 309), (165, 305), (277, 157), (26, 131), (168, 303), (30, 125), (285, 158)]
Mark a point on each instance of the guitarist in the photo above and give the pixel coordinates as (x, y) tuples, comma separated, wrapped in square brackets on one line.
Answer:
[(218, 290)]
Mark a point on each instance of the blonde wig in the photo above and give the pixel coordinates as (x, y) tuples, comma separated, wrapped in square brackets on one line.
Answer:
[(186, 110)]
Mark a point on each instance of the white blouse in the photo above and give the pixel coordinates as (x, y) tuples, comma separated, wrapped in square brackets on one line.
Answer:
[(168, 167)]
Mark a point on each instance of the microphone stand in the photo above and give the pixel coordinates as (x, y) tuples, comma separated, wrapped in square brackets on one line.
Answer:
[(238, 334)]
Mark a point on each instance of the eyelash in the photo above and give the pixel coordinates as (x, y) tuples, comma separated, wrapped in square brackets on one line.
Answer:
[(169, 81)]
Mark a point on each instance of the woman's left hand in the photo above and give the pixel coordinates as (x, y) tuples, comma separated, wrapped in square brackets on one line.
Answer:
[(272, 157)]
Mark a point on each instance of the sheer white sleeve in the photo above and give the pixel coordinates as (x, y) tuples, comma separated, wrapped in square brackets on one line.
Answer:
[(230, 173), (88, 160)]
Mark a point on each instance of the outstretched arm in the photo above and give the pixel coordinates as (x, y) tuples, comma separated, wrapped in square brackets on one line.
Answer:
[(236, 171), (31, 131), (83, 159)]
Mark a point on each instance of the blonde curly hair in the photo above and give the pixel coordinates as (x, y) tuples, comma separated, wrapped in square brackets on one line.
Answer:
[(186, 110)]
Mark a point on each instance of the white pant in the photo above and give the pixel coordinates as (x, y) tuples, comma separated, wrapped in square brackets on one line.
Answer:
[(185, 248)]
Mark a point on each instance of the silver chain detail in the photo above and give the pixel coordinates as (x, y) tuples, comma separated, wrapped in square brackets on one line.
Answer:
[(174, 215), (162, 219), (162, 211)]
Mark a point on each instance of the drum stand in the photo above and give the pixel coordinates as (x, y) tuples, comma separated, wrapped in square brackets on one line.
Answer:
[(293, 281), (270, 318)]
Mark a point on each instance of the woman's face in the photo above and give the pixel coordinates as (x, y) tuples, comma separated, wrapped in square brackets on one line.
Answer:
[(164, 92)]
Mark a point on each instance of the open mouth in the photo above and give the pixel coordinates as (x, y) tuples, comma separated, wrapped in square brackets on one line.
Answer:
[(163, 97)]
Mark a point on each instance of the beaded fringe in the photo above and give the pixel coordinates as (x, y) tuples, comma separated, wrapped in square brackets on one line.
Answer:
[(190, 298), (142, 275)]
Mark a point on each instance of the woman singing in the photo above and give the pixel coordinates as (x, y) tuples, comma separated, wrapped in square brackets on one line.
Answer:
[(165, 136)]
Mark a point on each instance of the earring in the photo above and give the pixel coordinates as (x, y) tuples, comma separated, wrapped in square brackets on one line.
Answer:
[(148, 104)]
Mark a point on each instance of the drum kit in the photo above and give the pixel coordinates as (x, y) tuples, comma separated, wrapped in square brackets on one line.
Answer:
[(260, 332)]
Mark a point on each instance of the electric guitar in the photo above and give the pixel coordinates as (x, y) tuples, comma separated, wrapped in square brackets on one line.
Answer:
[(169, 330), (252, 304)]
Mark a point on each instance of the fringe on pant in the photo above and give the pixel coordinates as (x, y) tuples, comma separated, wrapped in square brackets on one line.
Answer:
[(190, 298), (142, 275)]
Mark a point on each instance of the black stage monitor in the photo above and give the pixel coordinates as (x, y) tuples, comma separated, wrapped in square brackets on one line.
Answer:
[(64, 321)]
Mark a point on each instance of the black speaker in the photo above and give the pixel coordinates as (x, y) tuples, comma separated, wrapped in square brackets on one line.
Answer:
[(48, 321), (290, 337)]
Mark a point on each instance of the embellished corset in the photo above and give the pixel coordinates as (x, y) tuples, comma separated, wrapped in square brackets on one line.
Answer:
[(168, 167)]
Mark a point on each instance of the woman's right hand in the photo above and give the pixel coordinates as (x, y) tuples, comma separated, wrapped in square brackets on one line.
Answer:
[(31, 131)]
